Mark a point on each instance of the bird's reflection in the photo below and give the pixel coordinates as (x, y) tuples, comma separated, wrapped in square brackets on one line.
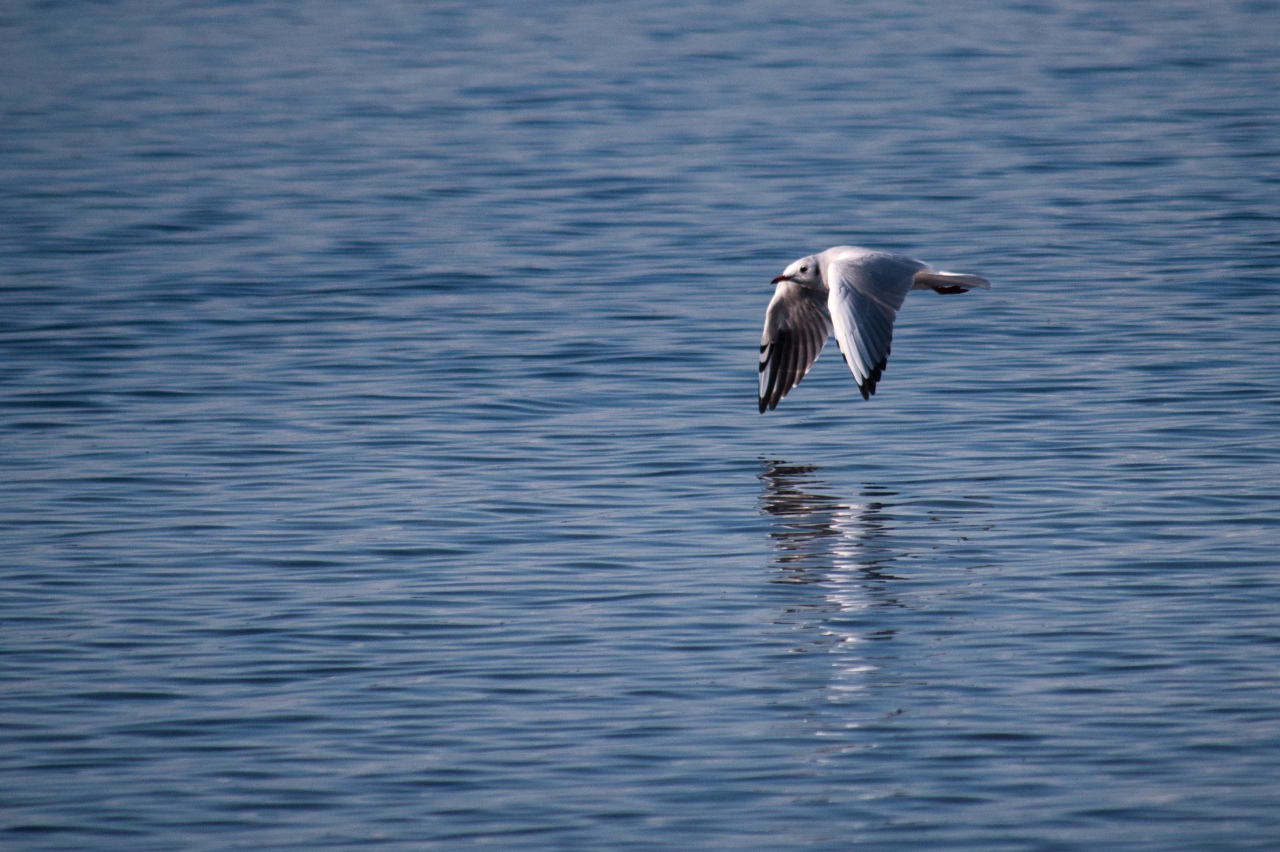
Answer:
[(840, 550)]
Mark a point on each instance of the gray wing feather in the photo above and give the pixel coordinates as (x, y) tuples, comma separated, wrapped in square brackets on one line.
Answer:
[(796, 327), (866, 291)]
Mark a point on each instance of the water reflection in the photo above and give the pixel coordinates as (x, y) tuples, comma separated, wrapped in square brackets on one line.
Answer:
[(840, 550)]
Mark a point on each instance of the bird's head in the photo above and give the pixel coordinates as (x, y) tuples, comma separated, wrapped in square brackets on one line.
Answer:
[(804, 272)]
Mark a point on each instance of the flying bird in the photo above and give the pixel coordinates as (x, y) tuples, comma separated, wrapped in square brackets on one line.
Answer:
[(852, 292)]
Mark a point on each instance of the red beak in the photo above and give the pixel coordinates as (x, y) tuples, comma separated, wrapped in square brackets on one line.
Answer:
[(779, 278)]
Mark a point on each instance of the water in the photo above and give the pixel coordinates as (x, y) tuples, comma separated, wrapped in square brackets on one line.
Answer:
[(381, 463)]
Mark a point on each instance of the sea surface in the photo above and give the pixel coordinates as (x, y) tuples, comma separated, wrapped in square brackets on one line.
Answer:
[(380, 465)]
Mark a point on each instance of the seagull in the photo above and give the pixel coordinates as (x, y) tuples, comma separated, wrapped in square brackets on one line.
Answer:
[(853, 292)]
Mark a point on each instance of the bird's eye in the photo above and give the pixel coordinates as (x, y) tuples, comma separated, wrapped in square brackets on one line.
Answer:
[(804, 269)]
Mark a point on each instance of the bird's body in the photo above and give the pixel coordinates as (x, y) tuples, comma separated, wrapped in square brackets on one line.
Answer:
[(853, 293)]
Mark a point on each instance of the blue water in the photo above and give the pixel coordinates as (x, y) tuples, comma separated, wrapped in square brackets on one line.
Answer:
[(380, 457)]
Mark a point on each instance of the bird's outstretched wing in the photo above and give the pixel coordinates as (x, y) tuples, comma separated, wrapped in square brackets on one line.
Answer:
[(866, 291), (796, 327)]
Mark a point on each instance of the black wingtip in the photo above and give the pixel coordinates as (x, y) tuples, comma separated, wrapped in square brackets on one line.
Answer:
[(868, 388)]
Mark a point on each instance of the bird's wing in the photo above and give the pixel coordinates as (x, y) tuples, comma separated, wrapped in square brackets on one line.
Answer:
[(796, 328), (866, 291)]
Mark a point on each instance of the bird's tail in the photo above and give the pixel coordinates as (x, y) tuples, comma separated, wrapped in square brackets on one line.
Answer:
[(948, 282)]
